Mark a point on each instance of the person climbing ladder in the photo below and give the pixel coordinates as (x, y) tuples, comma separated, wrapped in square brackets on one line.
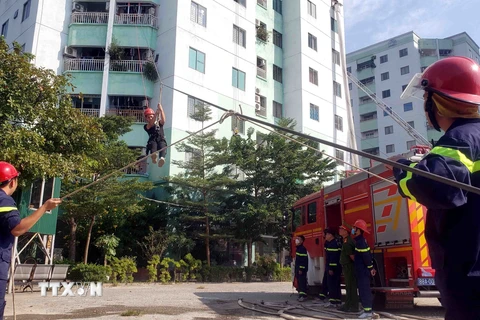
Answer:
[(156, 135)]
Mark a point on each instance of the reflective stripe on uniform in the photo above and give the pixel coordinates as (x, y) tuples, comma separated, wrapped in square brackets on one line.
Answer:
[(301, 267), (301, 254), (472, 166), (332, 264), (7, 209), (331, 249), (370, 267), (363, 250), (403, 183), (455, 154)]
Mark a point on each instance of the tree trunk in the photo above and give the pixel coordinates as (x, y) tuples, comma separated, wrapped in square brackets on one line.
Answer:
[(105, 261), (207, 239), (73, 239), (89, 236), (249, 252)]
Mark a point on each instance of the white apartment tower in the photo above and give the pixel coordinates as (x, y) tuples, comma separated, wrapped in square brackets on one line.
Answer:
[(386, 68), (273, 58)]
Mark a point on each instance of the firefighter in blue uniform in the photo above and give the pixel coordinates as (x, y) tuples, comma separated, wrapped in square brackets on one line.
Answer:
[(333, 269), (324, 292), (301, 268), (10, 223), (363, 267), (451, 93)]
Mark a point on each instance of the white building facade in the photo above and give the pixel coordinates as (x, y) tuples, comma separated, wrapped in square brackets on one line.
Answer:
[(386, 68)]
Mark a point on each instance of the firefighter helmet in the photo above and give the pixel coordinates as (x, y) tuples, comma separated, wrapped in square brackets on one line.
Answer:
[(362, 225), (453, 77), (148, 112), (7, 172)]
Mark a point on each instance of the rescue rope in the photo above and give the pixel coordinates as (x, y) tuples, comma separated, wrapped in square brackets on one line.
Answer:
[(224, 116), (394, 164)]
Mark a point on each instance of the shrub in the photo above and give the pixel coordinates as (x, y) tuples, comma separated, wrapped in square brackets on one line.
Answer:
[(89, 272)]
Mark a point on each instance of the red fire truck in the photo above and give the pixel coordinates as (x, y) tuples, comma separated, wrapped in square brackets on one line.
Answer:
[(397, 228)]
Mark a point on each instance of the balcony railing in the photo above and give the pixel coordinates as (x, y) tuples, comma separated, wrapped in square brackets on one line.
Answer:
[(90, 112), (83, 64), (137, 19), (261, 72), (120, 111), (139, 168), (127, 65), (90, 17), (261, 111)]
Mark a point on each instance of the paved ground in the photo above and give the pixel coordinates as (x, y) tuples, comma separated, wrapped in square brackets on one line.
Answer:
[(181, 301)]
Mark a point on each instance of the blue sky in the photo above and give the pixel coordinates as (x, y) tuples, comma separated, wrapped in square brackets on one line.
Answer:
[(370, 21)]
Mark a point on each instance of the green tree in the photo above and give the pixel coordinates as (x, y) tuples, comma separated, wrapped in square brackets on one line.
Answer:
[(204, 181), (108, 244), (42, 135), (117, 195)]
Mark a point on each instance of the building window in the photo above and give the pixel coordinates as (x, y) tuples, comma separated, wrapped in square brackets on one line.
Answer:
[(408, 106), (314, 112), (260, 105), (262, 32), (26, 10), (238, 79), (238, 126), (390, 148), (239, 36), (313, 76), (410, 144), (350, 86), (404, 70), (336, 57), (388, 130), (262, 3), (41, 191), (404, 87), (312, 42), (384, 58), (277, 74), (385, 76), (5, 29), (411, 124), (277, 39), (192, 154), (197, 60), (385, 113), (277, 6), (277, 110), (370, 134), (338, 123), (333, 24), (241, 2), (312, 212), (349, 69), (340, 155), (403, 52), (337, 89), (386, 93), (261, 68), (194, 105), (312, 9), (198, 14)]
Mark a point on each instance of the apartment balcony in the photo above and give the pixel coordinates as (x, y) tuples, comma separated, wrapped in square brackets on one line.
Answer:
[(90, 112), (368, 125), (126, 78), (262, 73), (88, 29), (260, 110), (371, 143), (135, 30), (86, 74), (127, 112), (137, 169), (367, 108)]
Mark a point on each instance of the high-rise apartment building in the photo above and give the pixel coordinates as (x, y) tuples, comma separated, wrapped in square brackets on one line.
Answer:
[(386, 68), (274, 58)]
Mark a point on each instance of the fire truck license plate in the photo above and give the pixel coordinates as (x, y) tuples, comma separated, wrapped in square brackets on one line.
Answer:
[(426, 281)]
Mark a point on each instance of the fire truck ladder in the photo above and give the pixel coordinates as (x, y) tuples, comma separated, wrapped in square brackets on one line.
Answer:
[(410, 130)]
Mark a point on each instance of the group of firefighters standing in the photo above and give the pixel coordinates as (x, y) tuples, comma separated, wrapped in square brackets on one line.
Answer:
[(350, 256)]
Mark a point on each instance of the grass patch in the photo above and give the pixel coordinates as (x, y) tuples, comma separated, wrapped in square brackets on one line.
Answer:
[(201, 287), (131, 313)]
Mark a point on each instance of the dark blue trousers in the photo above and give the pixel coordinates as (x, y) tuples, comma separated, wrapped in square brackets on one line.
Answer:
[(3, 289), (460, 294), (364, 290), (302, 283), (324, 292), (335, 292)]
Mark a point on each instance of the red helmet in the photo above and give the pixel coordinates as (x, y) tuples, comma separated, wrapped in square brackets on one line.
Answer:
[(7, 172), (362, 225), (148, 112), (454, 77)]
